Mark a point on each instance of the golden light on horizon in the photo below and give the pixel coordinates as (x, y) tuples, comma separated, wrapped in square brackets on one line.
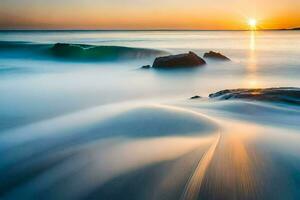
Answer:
[(252, 24), (153, 15)]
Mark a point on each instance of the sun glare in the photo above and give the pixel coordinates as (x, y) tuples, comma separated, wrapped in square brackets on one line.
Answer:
[(252, 24)]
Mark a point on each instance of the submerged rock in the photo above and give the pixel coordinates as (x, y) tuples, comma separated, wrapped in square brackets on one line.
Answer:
[(216, 56), (277, 95), (146, 67), (195, 97), (181, 60)]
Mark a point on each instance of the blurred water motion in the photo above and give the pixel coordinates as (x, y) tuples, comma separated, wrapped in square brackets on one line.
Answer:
[(93, 129)]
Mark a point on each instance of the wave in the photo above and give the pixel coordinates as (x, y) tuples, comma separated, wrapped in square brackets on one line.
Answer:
[(143, 135), (79, 52), (91, 52), (175, 152)]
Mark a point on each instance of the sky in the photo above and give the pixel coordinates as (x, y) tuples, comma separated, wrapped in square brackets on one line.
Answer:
[(148, 14)]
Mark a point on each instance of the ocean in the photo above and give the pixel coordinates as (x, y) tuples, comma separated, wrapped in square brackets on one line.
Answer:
[(86, 122)]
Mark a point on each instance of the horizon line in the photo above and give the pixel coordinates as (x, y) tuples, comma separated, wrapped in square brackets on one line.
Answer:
[(279, 29)]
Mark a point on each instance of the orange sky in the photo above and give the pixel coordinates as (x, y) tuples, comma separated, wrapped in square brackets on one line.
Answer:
[(148, 14)]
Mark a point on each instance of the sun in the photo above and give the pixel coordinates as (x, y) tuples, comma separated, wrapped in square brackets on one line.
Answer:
[(252, 24)]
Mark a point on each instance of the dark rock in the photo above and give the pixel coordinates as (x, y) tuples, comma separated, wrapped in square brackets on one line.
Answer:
[(146, 67), (289, 95), (195, 97), (216, 56), (181, 60)]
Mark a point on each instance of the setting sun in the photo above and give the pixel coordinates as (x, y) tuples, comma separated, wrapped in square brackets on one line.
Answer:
[(252, 23)]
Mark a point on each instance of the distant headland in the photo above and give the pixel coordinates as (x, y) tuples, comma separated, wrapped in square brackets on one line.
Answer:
[(296, 29)]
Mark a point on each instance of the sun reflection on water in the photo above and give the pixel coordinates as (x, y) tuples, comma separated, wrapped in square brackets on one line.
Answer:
[(251, 66), (252, 80)]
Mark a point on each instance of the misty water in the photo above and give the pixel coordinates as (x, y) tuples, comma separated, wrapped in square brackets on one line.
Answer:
[(83, 127)]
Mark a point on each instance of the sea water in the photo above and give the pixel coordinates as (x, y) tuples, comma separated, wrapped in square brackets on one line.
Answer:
[(79, 128)]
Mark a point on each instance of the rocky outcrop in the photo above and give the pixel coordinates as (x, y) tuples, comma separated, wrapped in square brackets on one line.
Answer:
[(277, 95), (179, 61), (146, 67), (216, 56), (196, 97)]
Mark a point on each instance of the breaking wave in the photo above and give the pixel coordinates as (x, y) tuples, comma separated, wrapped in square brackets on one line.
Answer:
[(79, 52)]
